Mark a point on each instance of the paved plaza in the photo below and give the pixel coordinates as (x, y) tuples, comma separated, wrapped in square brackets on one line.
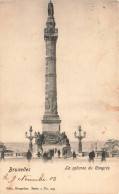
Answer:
[(62, 160)]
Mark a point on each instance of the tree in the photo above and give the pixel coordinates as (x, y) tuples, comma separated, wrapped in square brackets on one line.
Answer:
[(111, 145)]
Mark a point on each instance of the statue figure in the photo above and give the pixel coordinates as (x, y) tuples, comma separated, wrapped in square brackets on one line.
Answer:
[(40, 140), (50, 9), (50, 102), (47, 105), (54, 106)]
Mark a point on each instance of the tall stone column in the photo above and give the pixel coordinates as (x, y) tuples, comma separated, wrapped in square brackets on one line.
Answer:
[(51, 120)]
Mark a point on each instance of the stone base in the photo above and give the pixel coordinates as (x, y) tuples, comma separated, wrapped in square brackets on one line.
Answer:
[(53, 127), (35, 151), (52, 137), (51, 131)]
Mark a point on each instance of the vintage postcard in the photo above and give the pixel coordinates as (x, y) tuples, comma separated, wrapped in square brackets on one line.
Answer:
[(59, 97)]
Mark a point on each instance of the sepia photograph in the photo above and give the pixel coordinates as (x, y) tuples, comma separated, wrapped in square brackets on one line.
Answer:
[(59, 96)]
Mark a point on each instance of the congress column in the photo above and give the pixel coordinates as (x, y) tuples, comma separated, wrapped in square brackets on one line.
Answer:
[(51, 120)]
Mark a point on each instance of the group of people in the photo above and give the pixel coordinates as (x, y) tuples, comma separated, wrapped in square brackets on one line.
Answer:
[(48, 155), (92, 156), (62, 152)]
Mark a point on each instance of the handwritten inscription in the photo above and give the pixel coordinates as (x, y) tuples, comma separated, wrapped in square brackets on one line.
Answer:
[(27, 178)]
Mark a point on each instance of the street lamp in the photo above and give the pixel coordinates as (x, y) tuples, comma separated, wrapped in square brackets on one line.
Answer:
[(80, 137), (30, 137)]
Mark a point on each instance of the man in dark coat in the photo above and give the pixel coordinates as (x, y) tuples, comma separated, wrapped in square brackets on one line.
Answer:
[(45, 156), (103, 159), (58, 153), (91, 156), (39, 154), (74, 155), (29, 155), (2, 154)]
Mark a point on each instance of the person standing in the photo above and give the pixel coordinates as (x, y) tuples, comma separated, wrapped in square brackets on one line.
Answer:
[(66, 153), (103, 159), (74, 155), (91, 156), (29, 155), (58, 153), (45, 156), (2, 154), (39, 154)]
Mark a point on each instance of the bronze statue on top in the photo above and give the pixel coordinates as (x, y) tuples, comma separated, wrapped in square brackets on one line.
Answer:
[(50, 9)]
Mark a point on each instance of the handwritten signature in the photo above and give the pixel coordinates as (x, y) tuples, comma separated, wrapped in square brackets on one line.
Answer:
[(27, 178)]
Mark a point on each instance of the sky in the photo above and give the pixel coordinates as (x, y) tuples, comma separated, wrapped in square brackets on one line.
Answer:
[(87, 67)]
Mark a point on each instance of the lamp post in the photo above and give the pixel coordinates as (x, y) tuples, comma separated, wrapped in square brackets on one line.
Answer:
[(80, 137), (96, 146), (30, 137)]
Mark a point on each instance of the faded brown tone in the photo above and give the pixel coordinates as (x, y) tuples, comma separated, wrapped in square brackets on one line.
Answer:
[(88, 86), (87, 67)]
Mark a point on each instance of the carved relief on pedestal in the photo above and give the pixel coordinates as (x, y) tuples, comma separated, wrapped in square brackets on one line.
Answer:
[(51, 138), (50, 102), (47, 105)]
